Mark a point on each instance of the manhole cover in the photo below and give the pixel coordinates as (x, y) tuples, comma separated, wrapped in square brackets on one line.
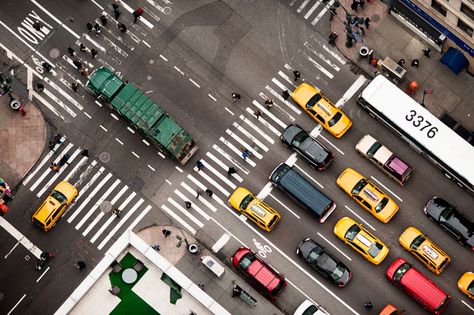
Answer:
[(54, 53), (375, 18), (104, 157), (166, 10), (105, 206)]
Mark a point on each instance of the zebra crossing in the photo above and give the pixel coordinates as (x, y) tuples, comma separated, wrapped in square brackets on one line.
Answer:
[(97, 187), (312, 10)]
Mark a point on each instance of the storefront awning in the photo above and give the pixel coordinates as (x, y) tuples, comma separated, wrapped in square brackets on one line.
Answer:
[(454, 60)]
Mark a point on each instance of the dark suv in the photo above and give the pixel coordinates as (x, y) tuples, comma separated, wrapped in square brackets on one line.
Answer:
[(323, 262), (299, 140), (441, 211)]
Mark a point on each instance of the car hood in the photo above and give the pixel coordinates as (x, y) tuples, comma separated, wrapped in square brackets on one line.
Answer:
[(305, 248)]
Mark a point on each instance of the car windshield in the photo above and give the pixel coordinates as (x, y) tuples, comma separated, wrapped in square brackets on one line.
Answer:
[(470, 287), (352, 232), (338, 272), (246, 260), (58, 196), (375, 249), (381, 205), (397, 276), (417, 242), (278, 287), (314, 255), (313, 100), (335, 119), (374, 148), (311, 310), (358, 187), (446, 214), (245, 202), (299, 138)]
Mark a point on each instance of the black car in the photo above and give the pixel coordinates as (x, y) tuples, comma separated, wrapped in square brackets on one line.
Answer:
[(323, 262), (299, 140), (442, 212)]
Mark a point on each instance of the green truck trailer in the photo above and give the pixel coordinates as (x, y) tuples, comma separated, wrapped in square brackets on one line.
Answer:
[(146, 116)]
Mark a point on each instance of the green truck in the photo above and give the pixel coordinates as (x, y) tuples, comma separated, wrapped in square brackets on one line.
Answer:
[(146, 116)]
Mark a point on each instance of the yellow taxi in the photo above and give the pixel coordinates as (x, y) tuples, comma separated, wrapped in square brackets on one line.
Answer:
[(366, 194), (364, 242), (54, 205), (321, 109), (433, 257), (256, 210), (466, 284)]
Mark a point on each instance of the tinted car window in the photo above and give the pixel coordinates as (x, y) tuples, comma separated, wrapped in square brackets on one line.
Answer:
[(397, 276), (352, 232), (373, 149), (246, 260), (445, 214), (358, 187), (381, 205), (316, 98), (299, 138), (335, 119), (58, 196), (245, 202), (417, 242)]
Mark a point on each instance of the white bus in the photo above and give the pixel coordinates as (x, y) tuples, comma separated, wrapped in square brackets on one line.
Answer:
[(423, 131)]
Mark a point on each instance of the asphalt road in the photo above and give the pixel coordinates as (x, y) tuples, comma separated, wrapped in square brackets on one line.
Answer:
[(190, 63)]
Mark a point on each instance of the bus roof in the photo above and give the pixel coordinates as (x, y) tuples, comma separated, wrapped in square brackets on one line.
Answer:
[(396, 106)]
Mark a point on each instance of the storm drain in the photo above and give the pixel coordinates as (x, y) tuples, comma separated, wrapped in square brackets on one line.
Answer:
[(104, 157)]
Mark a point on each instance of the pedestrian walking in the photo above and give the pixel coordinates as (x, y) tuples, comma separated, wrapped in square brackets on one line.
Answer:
[(155, 246), (103, 19), (47, 67), (116, 211), (80, 265), (70, 51), (362, 4), (200, 285), (64, 159), (199, 192), (332, 10), (97, 28), (122, 27), (367, 22), (94, 53), (51, 145), (368, 305), (245, 153), (296, 75), (54, 167), (188, 204), (74, 86), (269, 103), (137, 14), (199, 165), (77, 63), (401, 62), (82, 47), (89, 26), (426, 52), (332, 38), (231, 171), (40, 87), (235, 96), (362, 30), (285, 94), (116, 9), (37, 25), (257, 113), (58, 138), (415, 63), (166, 232), (85, 152), (209, 192), (354, 5)]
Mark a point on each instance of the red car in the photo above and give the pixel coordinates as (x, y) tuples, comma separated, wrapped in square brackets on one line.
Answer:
[(261, 275)]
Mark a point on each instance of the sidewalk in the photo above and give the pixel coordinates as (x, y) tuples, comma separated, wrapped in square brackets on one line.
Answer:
[(22, 140), (389, 37)]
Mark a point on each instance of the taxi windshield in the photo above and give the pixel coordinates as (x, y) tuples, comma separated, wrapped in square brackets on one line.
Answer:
[(58, 196), (381, 205), (246, 201), (335, 119), (316, 98), (358, 187)]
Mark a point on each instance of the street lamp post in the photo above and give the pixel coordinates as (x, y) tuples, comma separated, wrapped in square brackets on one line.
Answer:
[(424, 93)]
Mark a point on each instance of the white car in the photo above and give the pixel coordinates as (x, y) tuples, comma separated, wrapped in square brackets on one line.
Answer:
[(308, 308)]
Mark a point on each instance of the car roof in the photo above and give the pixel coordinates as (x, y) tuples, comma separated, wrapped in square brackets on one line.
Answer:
[(263, 274)]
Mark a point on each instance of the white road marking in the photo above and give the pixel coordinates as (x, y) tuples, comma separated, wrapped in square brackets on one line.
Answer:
[(42, 275), (360, 218), (231, 159), (179, 70), (201, 185), (321, 56), (259, 131), (48, 105), (146, 44), (131, 130), (203, 200), (118, 140), (269, 114), (213, 182), (229, 111), (194, 82), (195, 206), (17, 303), (98, 103), (311, 10), (178, 218), (220, 242), (89, 116), (103, 128), (146, 142), (40, 166), (291, 160), (223, 166), (22, 239), (331, 144), (264, 122), (386, 188), (136, 155), (463, 302), (244, 144), (237, 151), (334, 246), (141, 19), (163, 57), (281, 99), (320, 15), (76, 167), (186, 212), (212, 97), (286, 78), (302, 6), (150, 167), (221, 177), (114, 116), (351, 91), (318, 66)]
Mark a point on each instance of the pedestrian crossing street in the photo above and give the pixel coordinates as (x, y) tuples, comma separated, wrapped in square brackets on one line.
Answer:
[(99, 192)]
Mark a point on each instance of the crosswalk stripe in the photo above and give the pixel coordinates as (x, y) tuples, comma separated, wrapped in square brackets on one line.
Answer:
[(281, 85), (259, 131), (63, 93), (138, 219), (141, 19), (264, 122), (218, 174), (318, 66), (57, 174), (269, 114), (195, 206), (42, 163), (231, 159), (321, 56), (90, 196), (186, 212), (214, 183), (48, 170), (93, 223), (311, 10), (320, 15), (84, 176), (244, 144), (59, 102), (222, 165), (236, 151), (276, 105), (302, 6), (76, 167), (284, 206), (120, 223), (201, 185), (203, 200), (330, 50), (96, 205), (178, 218), (249, 135), (281, 99)]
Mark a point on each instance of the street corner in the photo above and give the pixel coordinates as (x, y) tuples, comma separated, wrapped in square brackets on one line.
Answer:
[(23, 138)]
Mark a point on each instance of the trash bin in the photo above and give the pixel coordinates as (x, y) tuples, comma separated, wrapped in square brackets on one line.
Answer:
[(364, 51), (15, 104)]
